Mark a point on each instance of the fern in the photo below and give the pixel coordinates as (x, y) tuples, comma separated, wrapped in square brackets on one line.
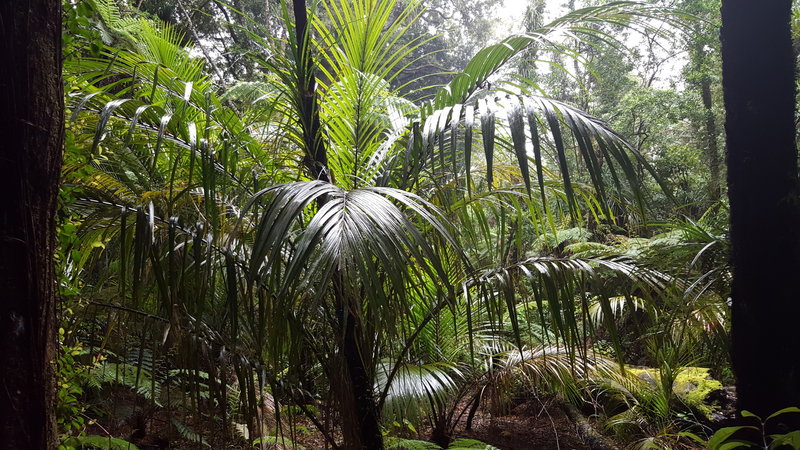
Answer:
[(589, 249), (99, 442), (458, 444), (136, 378), (550, 240), (410, 444), (189, 433), (470, 444), (277, 442), (112, 25)]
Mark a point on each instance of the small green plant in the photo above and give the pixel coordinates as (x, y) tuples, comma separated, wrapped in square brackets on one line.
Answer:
[(97, 442), (189, 433), (458, 444), (72, 377), (402, 427), (756, 435), (277, 442)]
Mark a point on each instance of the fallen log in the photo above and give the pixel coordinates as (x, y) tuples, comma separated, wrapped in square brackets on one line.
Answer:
[(586, 431)]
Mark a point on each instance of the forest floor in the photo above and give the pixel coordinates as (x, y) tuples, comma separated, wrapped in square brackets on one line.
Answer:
[(531, 424)]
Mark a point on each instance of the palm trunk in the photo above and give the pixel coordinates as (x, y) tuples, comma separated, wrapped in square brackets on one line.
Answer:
[(354, 388), (32, 130), (362, 428), (365, 432), (759, 85), (316, 154)]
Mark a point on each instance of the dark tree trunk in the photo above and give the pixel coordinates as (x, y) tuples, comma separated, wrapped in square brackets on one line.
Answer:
[(758, 70), (367, 429), (31, 137), (316, 154), (361, 424)]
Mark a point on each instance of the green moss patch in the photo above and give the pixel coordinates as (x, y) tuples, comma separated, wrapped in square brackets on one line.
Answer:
[(691, 386)]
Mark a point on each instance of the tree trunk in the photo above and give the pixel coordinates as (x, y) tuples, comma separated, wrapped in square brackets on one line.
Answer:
[(759, 86), (316, 153), (361, 424), (710, 149), (367, 429), (31, 127)]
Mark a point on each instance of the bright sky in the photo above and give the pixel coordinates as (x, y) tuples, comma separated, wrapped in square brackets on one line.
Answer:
[(511, 12)]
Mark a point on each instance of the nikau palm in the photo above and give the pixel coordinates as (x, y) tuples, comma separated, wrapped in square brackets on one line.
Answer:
[(316, 222)]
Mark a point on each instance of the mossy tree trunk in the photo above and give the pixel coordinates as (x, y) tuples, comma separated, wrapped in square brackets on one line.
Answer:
[(758, 69), (31, 139)]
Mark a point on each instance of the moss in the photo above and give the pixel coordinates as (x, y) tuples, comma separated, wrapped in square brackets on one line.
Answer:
[(691, 386)]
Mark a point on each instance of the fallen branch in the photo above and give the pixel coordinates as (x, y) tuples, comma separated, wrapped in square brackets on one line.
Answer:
[(586, 431)]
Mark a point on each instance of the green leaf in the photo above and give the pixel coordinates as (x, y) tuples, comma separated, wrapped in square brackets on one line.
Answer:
[(516, 123), (792, 439), (487, 130), (693, 437), (730, 445), (791, 409), (722, 436)]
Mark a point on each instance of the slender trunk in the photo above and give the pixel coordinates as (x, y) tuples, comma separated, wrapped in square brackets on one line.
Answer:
[(31, 127), (316, 154), (758, 70), (711, 149), (365, 432), (355, 392), (362, 429)]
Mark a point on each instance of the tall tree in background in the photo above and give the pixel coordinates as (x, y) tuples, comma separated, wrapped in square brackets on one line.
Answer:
[(31, 123), (449, 33), (758, 70), (533, 19), (220, 29), (701, 71)]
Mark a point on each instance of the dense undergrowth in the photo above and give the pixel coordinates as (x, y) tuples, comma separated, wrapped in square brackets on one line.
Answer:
[(244, 263)]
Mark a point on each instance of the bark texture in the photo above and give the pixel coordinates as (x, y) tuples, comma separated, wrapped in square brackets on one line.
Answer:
[(31, 139), (759, 87)]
